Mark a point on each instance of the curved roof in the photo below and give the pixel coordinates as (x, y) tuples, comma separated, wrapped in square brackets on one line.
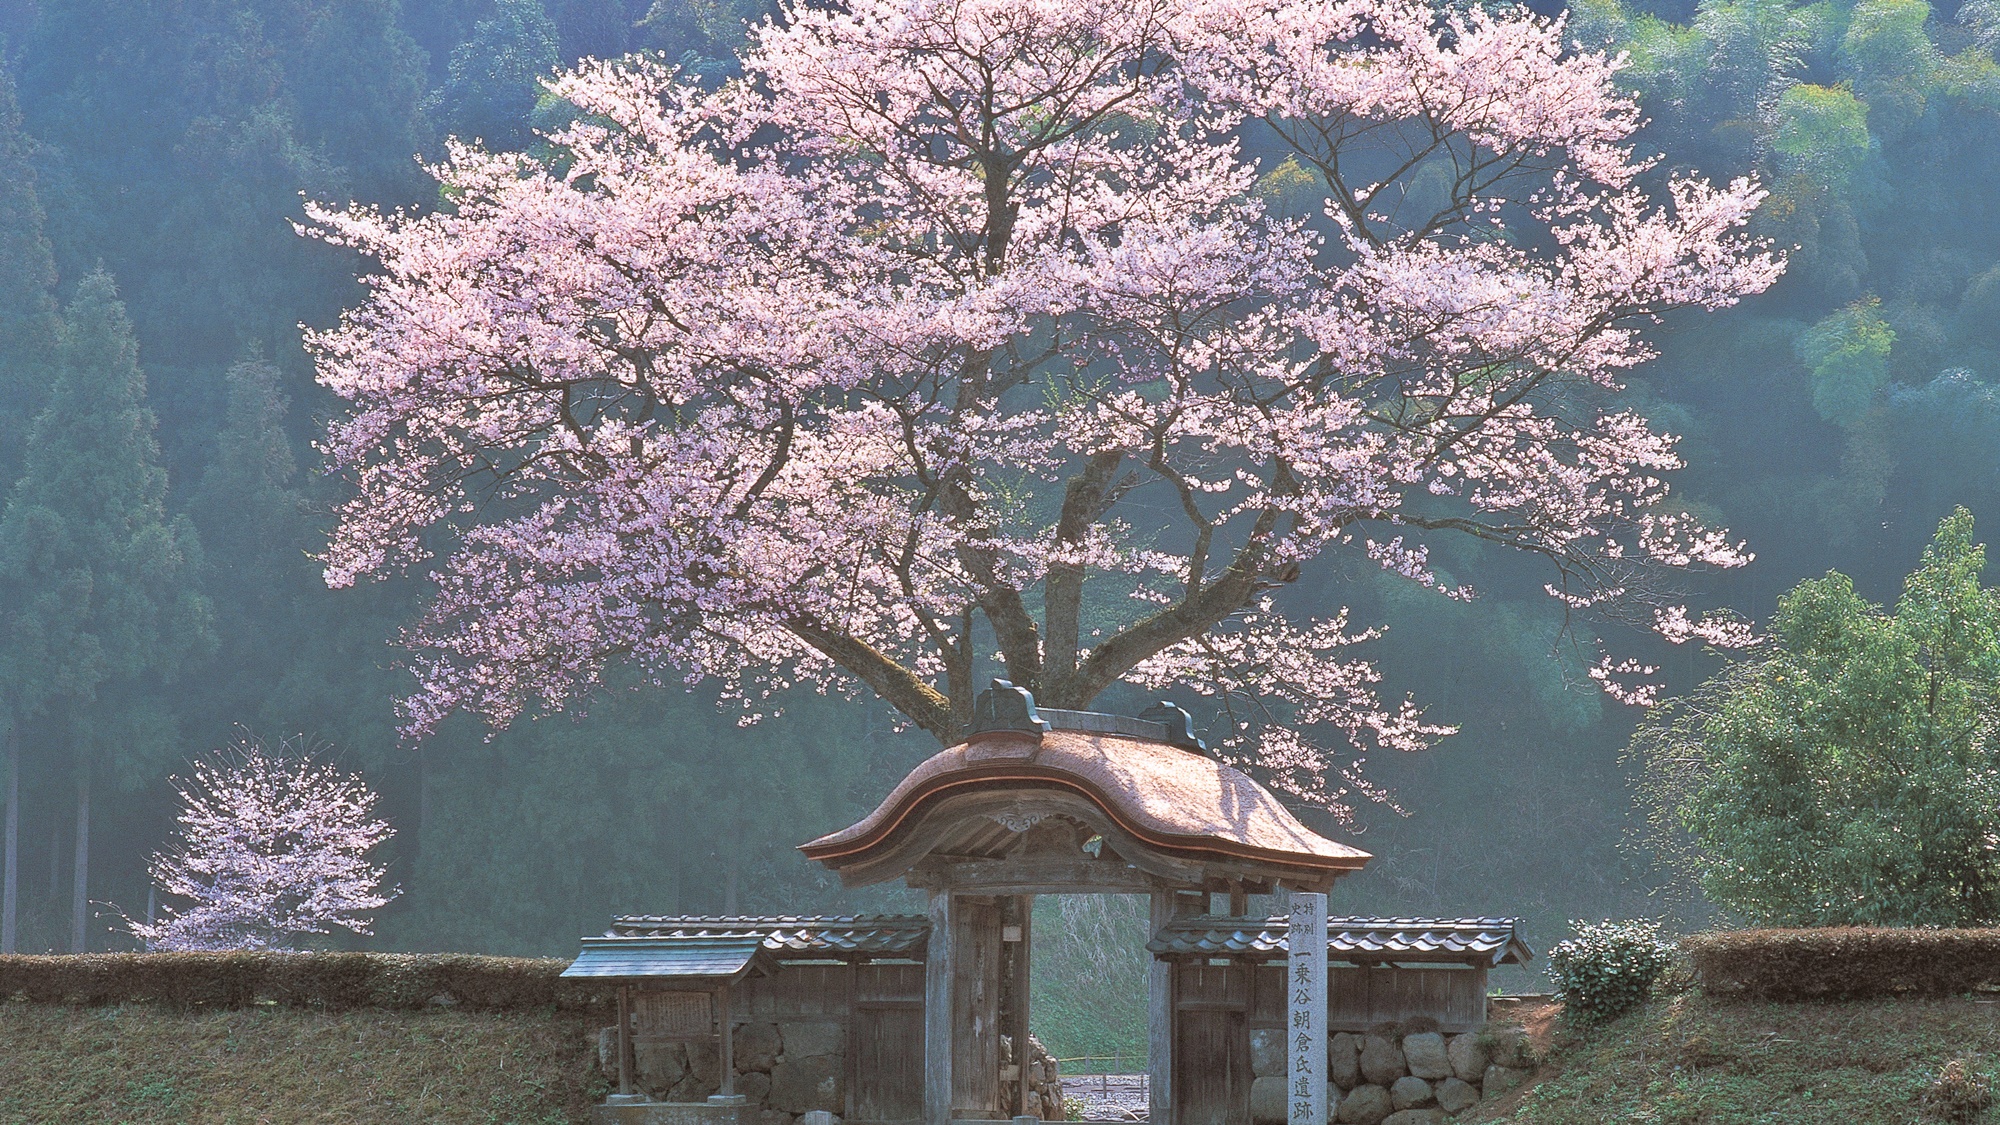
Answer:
[(1181, 803)]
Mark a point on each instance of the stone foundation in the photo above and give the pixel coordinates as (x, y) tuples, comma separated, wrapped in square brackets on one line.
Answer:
[(1396, 1075), (672, 1113), (786, 1069)]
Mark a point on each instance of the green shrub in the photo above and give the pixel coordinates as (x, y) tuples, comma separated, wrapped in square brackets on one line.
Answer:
[(1608, 968), (402, 981), (1846, 963)]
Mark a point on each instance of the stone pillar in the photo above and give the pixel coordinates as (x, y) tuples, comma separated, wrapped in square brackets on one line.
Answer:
[(1305, 1011)]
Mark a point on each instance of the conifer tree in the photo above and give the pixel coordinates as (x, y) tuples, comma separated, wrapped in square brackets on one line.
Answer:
[(27, 338), (96, 581), (254, 532)]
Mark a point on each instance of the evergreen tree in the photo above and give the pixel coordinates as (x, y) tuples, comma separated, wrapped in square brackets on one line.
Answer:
[(27, 340), (96, 581), (255, 538), (495, 75), (27, 281)]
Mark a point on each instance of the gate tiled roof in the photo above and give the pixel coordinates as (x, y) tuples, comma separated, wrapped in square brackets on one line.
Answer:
[(1185, 804), (880, 935), (1459, 941)]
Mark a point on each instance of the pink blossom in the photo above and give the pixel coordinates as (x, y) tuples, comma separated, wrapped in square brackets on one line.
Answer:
[(957, 330), (267, 849)]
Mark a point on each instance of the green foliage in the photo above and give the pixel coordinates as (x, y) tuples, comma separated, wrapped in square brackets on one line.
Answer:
[(495, 75), (1291, 188), (1848, 355), (1822, 133), (1849, 777), (1606, 969), (1887, 40), (1088, 994)]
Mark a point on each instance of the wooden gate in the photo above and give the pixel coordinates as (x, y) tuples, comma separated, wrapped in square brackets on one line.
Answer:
[(1211, 1044), (887, 1044)]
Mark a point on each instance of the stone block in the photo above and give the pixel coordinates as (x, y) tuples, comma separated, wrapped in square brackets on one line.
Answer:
[(1343, 1060), (657, 1064), (1267, 1052), (1424, 1053), (1366, 1104), (819, 1117), (806, 1038), (1411, 1092), (1432, 1116), (756, 1046), (755, 1086), (704, 1061), (1382, 1060), (1499, 1080), (1508, 1046), (801, 1085), (1267, 1100), (1455, 1095), (1468, 1056)]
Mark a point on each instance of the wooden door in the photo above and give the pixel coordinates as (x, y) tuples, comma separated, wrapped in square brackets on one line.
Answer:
[(1211, 1045), (887, 1045)]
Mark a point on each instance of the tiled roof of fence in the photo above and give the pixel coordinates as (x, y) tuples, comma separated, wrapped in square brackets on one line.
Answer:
[(1464, 941), (879, 935)]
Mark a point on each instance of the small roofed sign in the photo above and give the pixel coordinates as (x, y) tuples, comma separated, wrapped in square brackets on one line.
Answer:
[(1305, 1022)]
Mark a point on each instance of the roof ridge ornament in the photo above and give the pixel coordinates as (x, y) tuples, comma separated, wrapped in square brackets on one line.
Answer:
[(1178, 723), (1006, 709)]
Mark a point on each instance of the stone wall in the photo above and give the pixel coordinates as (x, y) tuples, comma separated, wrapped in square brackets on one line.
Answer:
[(1044, 1081), (1397, 1074), (786, 1069)]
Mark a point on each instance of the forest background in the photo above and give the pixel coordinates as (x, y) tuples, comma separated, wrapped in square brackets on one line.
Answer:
[(164, 146)]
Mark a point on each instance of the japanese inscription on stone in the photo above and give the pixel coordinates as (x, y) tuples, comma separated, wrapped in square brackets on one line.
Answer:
[(1305, 1016)]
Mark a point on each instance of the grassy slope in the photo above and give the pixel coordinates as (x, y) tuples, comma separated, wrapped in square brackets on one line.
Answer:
[(277, 1066), (1686, 1060)]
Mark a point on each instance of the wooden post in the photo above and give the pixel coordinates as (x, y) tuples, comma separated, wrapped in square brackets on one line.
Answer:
[(728, 1048), (937, 1011), (850, 1062), (625, 1039), (1160, 1020), (1024, 914)]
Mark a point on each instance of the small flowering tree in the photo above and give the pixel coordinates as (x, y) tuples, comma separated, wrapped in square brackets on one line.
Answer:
[(958, 336), (268, 848)]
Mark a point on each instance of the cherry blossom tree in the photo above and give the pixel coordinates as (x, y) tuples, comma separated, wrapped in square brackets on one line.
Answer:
[(957, 337), (269, 848)]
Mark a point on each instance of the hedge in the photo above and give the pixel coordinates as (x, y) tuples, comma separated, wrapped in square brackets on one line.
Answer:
[(319, 980), (1845, 963)]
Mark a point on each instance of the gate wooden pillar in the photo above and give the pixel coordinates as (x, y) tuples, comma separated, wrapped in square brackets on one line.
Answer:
[(937, 1011), (962, 1008)]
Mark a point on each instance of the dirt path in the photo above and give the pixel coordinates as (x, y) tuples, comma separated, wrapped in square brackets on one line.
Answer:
[(1107, 1097)]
